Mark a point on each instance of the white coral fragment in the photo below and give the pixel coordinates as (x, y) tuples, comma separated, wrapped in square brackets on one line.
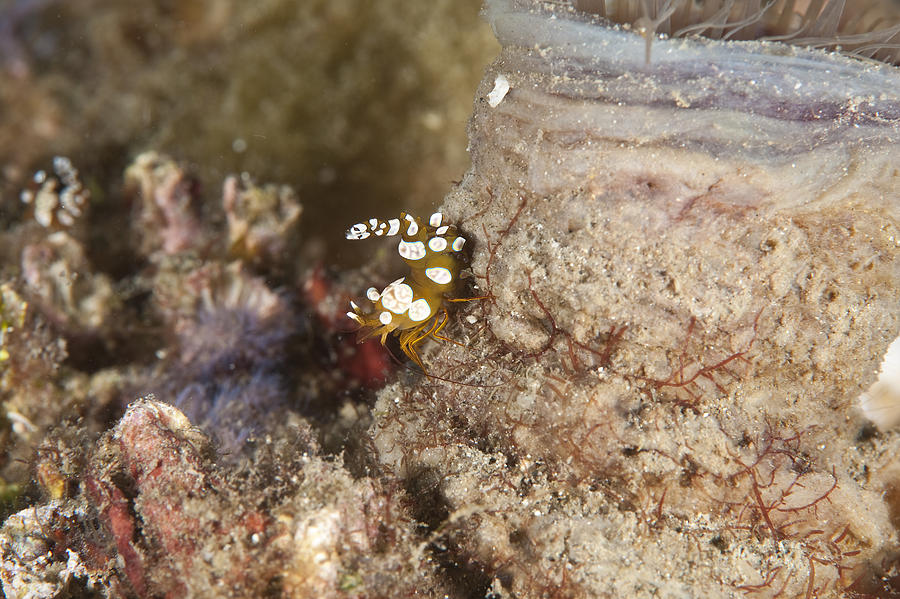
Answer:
[(31, 570), (881, 403), (501, 88)]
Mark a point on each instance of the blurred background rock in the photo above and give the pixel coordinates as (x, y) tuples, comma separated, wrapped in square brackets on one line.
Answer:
[(361, 106)]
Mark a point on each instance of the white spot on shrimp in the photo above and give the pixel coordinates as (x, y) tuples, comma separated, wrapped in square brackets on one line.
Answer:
[(385, 318), (353, 305), (412, 250), (501, 88), (358, 231), (441, 230), (373, 222), (437, 244), (395, 226), (435, 220), (355, 317), (413, 225), (439, 275), (372, 294), (458, 244), (419, 310), (397, 297)]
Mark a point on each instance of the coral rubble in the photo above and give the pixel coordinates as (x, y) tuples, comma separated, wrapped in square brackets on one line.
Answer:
[(219, 487), (157, 517)]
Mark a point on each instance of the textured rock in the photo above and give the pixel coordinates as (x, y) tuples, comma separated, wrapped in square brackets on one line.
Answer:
[(690, 269)]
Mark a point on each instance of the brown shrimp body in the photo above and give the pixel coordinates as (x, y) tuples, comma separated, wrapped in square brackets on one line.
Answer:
[(409, 306)]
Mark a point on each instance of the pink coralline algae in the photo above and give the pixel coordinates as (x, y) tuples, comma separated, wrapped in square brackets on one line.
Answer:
[(161, 502)]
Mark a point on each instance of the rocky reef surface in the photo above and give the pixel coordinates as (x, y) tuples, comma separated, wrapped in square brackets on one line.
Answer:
[(684, 273), (689, 269)]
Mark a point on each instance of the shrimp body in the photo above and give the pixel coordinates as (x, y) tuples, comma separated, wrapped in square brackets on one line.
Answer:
[(409, 306)]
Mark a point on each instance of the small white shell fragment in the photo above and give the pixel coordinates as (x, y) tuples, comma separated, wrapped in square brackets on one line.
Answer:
[(501, 88), (881, 403)]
